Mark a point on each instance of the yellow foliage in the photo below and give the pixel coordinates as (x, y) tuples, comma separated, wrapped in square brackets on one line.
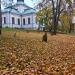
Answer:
[(66, 20), (44, 16)]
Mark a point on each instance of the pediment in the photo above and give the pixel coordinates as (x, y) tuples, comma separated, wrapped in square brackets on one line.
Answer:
[(21, 6)]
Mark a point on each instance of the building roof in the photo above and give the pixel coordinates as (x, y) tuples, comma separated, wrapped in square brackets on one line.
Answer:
[(12, 9), (29, 11)]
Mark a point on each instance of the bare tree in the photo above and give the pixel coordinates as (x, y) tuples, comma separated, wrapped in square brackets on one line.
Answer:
[(70, 13), (57, 7)]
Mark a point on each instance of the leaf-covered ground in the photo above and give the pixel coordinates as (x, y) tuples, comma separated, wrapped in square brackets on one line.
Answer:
[(28, 55)]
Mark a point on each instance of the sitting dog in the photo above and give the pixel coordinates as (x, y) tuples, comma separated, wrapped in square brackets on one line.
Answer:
[(44, 38)]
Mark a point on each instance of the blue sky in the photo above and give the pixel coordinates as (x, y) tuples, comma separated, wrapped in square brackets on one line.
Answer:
[(30, 3)]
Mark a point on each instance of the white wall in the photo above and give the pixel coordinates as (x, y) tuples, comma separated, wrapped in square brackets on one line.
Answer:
[(9, 21), (21, 8), (32, 21)]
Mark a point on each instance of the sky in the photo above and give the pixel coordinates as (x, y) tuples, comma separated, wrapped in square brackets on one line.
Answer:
[(30, 3)]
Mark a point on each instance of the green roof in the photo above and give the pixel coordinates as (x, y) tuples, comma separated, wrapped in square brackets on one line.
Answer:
[(12, 9)]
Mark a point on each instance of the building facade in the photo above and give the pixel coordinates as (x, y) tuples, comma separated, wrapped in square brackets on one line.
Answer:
[(19, 15)]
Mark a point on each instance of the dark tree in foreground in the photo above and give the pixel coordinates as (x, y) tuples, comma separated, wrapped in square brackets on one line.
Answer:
[(57, 6), (0, 18), (70, 14)]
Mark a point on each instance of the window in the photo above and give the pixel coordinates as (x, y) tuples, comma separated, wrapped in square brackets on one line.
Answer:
[(18, 21), (24, 21), (28, 20), (13, 20), (4, 20)]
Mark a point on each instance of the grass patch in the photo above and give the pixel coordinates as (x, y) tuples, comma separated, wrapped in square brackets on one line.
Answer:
[(18, 29)]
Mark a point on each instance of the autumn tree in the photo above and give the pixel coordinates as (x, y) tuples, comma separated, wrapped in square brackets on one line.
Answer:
[(43, 17), (70, 14), (57, 7), (65, 20), (66, 17), (0, 18)]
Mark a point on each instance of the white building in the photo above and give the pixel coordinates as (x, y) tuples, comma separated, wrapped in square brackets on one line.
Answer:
[(19, 15)]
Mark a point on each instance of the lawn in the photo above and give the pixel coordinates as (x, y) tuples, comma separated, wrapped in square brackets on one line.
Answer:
[(26, 54)]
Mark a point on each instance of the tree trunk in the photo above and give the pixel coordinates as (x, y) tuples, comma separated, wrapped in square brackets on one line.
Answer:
[(70, 29), (55, 24), (56, 14), (55, 30)]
